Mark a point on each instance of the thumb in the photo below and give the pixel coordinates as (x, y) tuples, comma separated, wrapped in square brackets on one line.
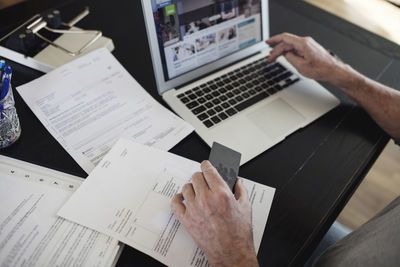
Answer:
[(294, 59), (240, 191)]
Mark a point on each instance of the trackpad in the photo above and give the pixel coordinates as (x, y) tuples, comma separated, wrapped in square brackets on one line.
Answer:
[(276, 118)]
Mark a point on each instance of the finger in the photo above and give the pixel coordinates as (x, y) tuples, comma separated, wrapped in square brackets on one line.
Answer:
[(287, 38), (214, 180), (278, 51), (294, 59), (188, 193), (199, 184), (177, 206), (241, 191)]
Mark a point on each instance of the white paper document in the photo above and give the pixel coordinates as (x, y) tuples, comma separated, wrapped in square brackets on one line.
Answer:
[(88, 104), (31, 234), (128, 195)]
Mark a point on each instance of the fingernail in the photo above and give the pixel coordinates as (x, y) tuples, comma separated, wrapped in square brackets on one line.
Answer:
[(206, 163)]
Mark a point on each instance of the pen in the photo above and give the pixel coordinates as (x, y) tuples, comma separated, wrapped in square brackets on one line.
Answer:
[(7, 73)]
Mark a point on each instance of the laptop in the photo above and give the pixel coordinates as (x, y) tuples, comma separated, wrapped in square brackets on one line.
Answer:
[(209, 60)]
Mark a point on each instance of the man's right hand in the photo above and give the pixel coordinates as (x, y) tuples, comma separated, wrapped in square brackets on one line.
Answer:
[(305, 54)]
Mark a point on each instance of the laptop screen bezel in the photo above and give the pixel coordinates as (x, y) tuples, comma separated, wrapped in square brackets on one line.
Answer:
[(164, 85)]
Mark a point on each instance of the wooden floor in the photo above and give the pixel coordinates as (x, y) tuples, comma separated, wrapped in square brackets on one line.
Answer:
[(378, 16), (382, 183)]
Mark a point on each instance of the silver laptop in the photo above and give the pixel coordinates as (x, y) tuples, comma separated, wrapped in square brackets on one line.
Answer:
[(209, 59)]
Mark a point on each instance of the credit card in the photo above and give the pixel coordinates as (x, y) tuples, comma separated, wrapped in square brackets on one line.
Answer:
[(227, 163)]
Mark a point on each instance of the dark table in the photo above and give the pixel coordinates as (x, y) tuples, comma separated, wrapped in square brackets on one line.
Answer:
[(315, 170)]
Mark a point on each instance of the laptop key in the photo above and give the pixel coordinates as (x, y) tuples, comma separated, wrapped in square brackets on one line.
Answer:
[(209, 97), (245, 95), (220, 84), (202, 100), (208, 123), (199, 93), (188, 92), (209, 105), (249, 85), (222, 116), (295, 80), (218, 109), (216, 94), (232, 102), (252, 92), (203, 85), (254, 76), (192, 105), (211, 112), (251, 101), (239, 98), (231, 112), (225, 105), (222, 90), (185, 100), (181, 95), (229, 87), (230, 95), (196, 89), (216, 101), (237, 92), (223, 98), (216, 120), (206, 90), (243, 88), (202, 116), (192, 96), (271, 91), (198, 110)]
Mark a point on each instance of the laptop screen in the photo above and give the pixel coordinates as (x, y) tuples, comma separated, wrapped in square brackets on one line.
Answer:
[(192, 33)]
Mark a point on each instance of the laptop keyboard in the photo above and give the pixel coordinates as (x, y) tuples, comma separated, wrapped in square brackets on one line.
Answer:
[(225, 96)]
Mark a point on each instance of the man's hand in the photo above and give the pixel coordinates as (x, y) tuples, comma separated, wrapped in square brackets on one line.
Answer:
[(305, 54), (218, 221)]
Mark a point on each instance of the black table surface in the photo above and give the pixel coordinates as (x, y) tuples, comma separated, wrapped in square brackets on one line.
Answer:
[(315, 170)]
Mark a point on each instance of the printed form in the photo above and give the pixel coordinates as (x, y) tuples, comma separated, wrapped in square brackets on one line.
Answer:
[(31, 234), (128, 195), (88, 104)]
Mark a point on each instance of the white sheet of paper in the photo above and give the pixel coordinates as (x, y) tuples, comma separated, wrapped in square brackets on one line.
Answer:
[(31, 234), (128, 195), (88, 104)]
